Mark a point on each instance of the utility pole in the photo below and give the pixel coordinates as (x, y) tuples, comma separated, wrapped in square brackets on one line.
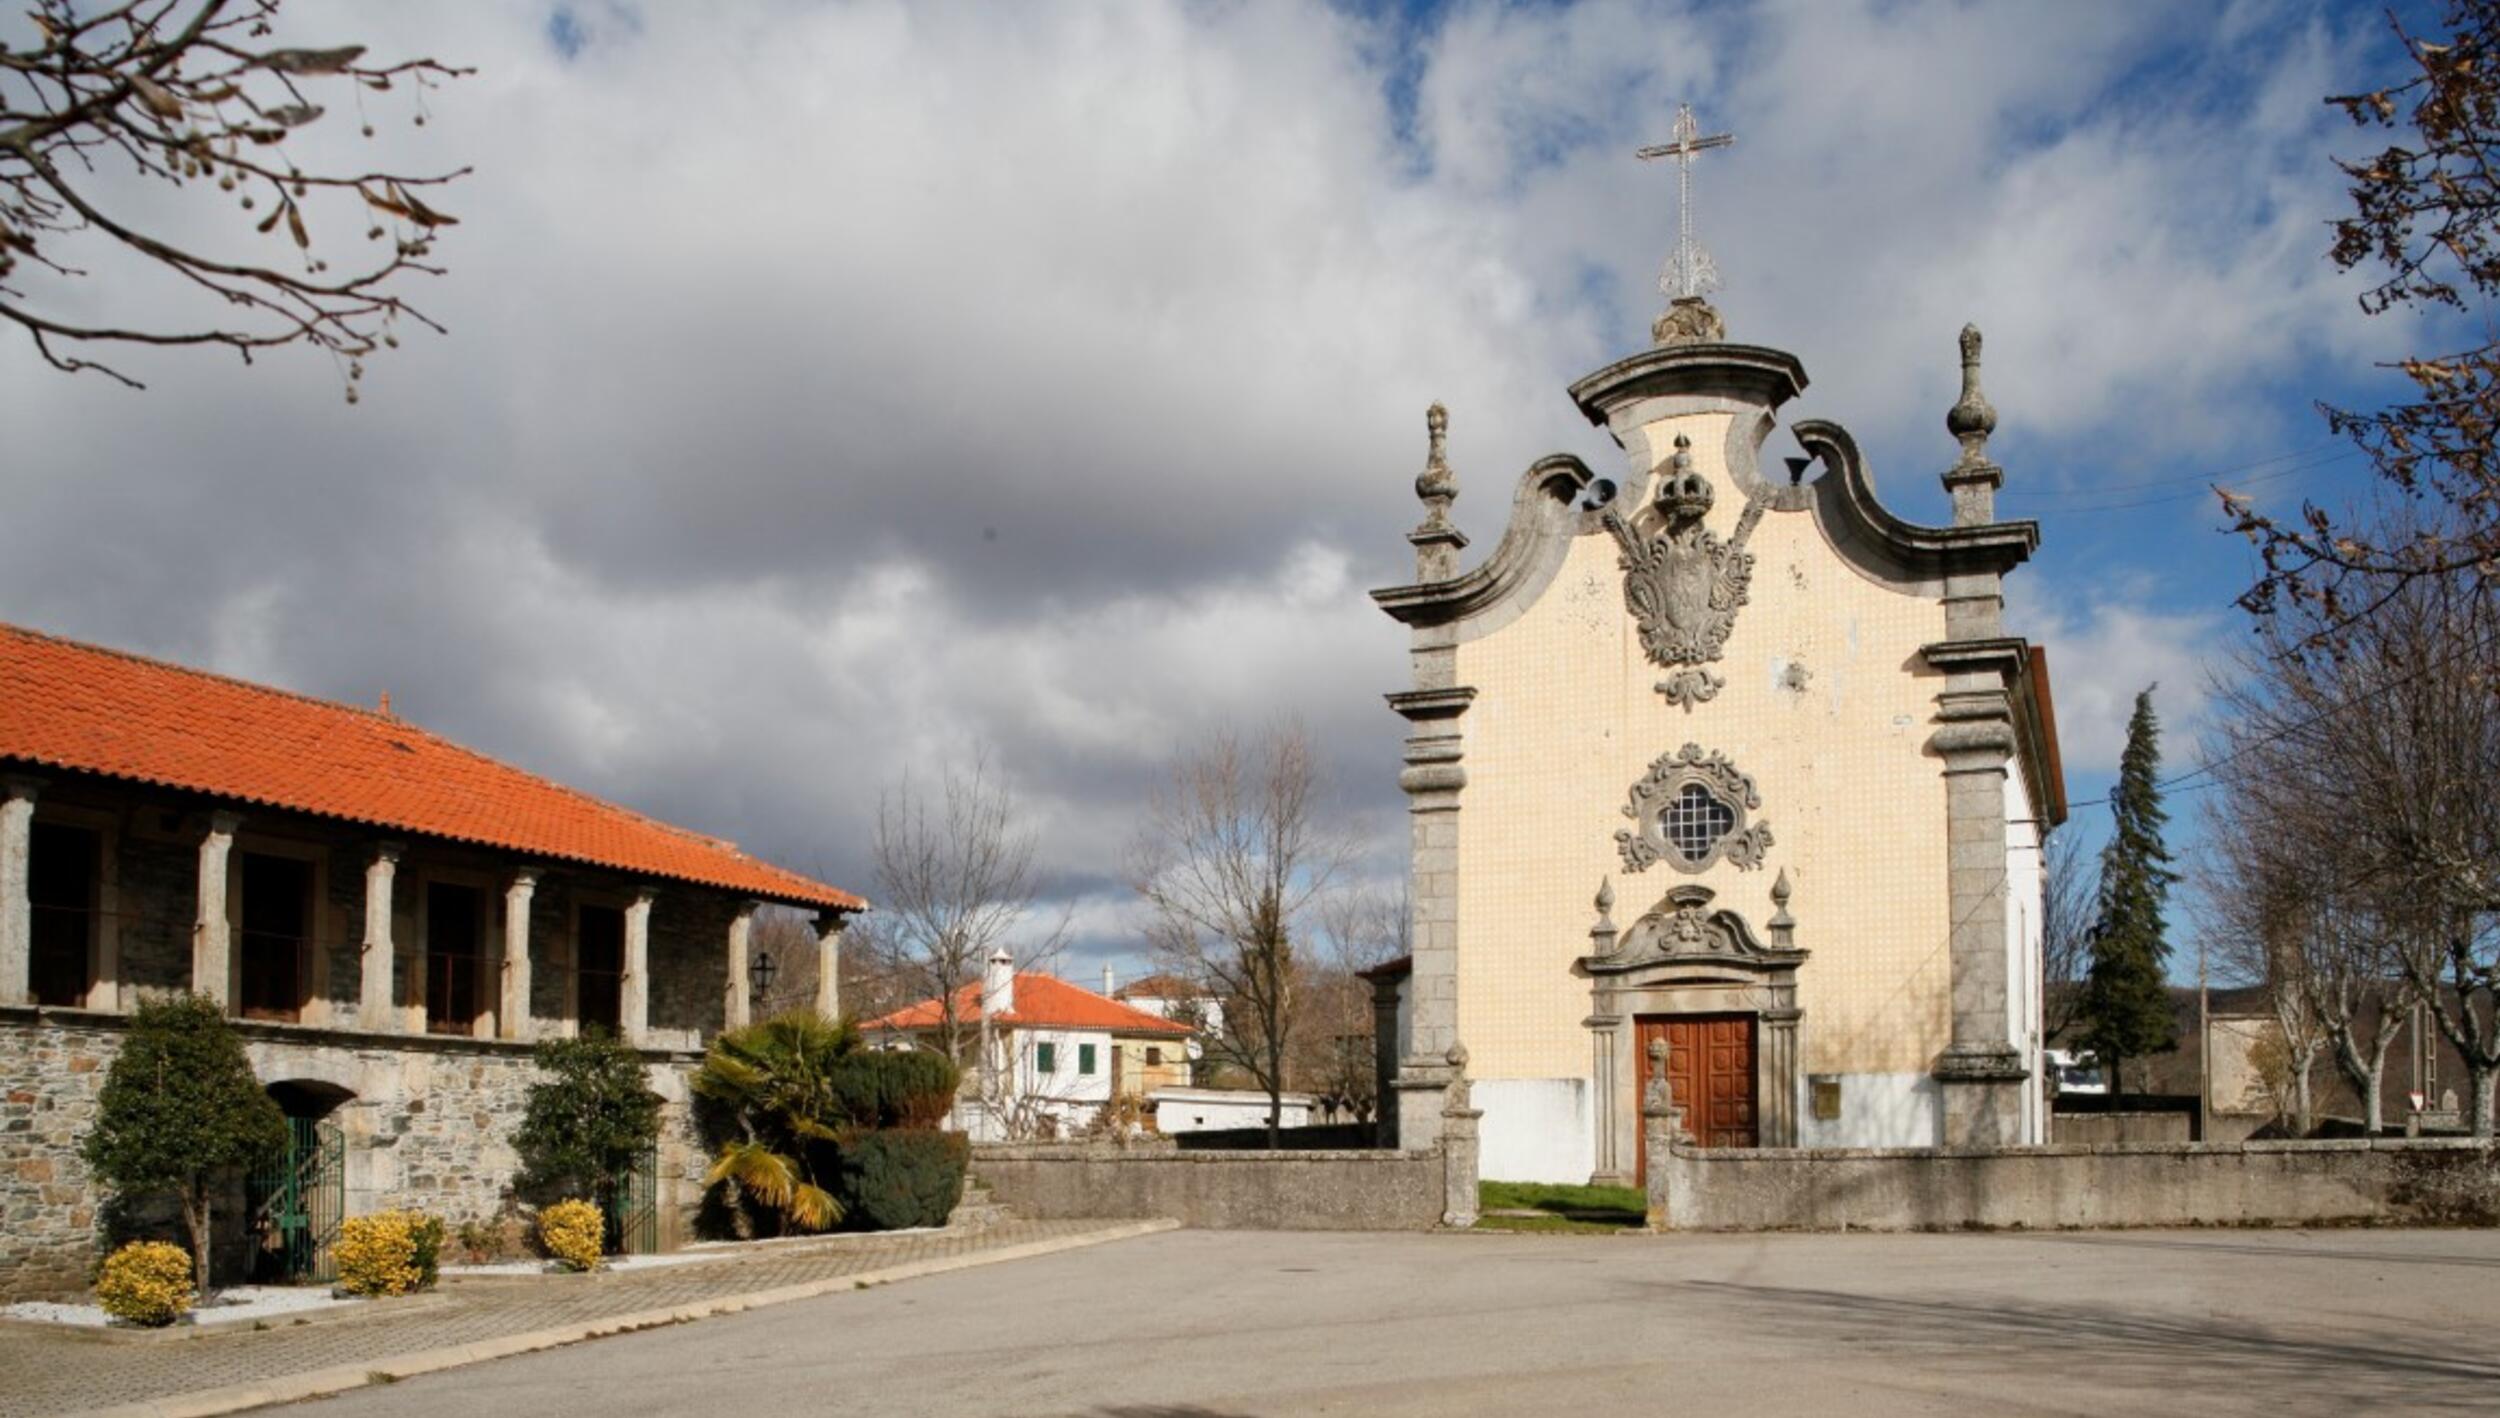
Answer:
[(2204, 1048)]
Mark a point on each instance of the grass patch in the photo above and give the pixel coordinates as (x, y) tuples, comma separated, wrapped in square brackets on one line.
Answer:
[(1543, 1206)]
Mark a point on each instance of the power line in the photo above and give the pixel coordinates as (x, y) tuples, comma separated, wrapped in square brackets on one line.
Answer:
[(2324, 452), (2276, 475), (2399, 682)]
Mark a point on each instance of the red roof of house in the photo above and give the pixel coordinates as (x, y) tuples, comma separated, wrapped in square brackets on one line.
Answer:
[(73, 706), (1159, 986), (1043, 1002)]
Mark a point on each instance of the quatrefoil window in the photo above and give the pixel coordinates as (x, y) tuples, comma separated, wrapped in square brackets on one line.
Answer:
[(1695, 821), (1689, 811)]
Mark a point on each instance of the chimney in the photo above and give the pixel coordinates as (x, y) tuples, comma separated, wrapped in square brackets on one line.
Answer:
[(998, 985), (1106, 979)]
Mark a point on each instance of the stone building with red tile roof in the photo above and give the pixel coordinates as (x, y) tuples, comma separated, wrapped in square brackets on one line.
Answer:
[(391, 919)]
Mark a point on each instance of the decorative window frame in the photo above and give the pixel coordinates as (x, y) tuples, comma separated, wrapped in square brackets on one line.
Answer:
[(1645, 843)]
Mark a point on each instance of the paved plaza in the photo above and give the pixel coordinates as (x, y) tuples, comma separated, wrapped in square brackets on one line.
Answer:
[(1198, 1324), (47, 1373)]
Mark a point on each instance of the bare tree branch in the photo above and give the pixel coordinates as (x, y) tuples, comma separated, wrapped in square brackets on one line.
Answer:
[(194, 94)]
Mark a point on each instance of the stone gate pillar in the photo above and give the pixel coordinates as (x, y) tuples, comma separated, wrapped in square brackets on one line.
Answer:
[(1432, 779), (1981, 1073)]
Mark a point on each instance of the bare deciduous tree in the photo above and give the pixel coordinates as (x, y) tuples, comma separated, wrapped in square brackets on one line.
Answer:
[(2269, 927), (99, 102), (1360, 927), (1234, 857), (956, 883), (2426, 217), (2070, 902), (2363, 831)]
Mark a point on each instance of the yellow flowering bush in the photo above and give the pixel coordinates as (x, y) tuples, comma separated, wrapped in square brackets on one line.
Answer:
[(146, 1282), (388, 1253), (572, 1231)]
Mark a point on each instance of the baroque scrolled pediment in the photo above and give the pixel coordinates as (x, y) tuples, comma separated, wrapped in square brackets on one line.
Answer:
[(1684, 929)]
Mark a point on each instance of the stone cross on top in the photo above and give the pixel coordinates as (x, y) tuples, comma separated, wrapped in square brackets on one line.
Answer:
[(1690, 273)]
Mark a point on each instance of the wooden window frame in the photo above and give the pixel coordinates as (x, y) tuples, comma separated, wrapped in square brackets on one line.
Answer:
[(314, 985)]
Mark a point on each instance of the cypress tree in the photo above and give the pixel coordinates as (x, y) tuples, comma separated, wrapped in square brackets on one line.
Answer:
[(2126, 1003)]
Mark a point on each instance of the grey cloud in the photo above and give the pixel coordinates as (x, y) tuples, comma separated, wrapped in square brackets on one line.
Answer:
[(765, 319)]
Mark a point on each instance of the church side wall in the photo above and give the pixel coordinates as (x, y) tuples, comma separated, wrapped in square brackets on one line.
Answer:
[(1827, 705), (2026, 875), (1534, 1130)]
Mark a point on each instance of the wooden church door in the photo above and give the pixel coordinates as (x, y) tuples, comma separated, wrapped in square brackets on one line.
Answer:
[(1710, 1062)]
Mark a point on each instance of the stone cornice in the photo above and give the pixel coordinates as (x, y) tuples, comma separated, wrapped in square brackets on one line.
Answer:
[(2008, 655), (1751, 374), (312, 1036), (1423, 705)]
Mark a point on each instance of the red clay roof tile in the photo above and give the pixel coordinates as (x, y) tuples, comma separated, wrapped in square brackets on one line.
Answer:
[(1043, 1002), (68, 705)]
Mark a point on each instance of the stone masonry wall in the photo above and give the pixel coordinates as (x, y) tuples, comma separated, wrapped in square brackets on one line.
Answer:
[(49, 1078), (2394, 1182), (427, 1122), (1255, 1191)]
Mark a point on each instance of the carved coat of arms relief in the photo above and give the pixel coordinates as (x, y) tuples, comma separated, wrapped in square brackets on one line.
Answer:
[(1681, 582)]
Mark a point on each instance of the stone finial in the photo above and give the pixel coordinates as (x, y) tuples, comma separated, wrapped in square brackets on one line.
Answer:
[(1972, 481), (1972, 418), (1602, 936), (1457, 1057), (1658, 1055), (1783, 926), (1435, 485), (1689, 320), (1436, 539)]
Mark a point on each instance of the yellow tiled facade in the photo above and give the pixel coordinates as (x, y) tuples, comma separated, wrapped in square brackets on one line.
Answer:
[(1827, 707)]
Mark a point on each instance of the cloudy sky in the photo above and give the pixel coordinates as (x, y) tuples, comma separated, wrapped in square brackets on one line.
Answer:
[(833, 390)]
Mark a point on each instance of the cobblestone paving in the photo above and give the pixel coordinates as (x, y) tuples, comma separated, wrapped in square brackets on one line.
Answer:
[(47, 1375)]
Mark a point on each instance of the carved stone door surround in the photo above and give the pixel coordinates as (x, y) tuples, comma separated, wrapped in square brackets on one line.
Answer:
[(1683, 958)]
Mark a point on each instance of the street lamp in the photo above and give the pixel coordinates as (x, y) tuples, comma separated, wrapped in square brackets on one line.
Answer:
[(762, 973)]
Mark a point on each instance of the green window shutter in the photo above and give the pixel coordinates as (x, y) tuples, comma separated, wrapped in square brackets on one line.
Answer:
[(1085, 1059), (1046, 1058)]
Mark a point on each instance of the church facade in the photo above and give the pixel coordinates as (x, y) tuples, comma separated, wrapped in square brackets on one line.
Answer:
[(1716, 750)]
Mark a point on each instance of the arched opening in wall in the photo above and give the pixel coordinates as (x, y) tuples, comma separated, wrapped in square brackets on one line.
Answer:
[(309, 1097), (296, 1197)]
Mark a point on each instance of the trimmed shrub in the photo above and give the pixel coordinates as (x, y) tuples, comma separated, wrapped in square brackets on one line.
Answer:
[(571, 1232), (146, 1282), (591, 1116), (389, 1252), (181, 1114), (903, 1177), (425, 1238), (895, 1088)]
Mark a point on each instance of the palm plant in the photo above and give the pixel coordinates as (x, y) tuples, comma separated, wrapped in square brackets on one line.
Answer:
[(776, 1079)]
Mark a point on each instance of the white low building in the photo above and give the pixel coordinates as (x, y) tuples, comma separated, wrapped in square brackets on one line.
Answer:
[(1179, 1110)]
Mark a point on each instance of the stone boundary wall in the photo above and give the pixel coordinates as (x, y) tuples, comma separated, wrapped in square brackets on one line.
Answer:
[(1219, 1190), (1328, 1137), (2392, 1182), (2095, 1129)]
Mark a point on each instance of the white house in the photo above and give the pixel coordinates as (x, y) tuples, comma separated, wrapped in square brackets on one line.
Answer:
[(1059, 1052)]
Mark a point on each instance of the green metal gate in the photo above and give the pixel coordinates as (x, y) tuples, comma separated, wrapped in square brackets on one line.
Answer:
[(631, 1209), (297, 1198)]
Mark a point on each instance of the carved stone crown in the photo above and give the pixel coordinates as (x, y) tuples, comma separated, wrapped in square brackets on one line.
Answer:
[(1682, 493)]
